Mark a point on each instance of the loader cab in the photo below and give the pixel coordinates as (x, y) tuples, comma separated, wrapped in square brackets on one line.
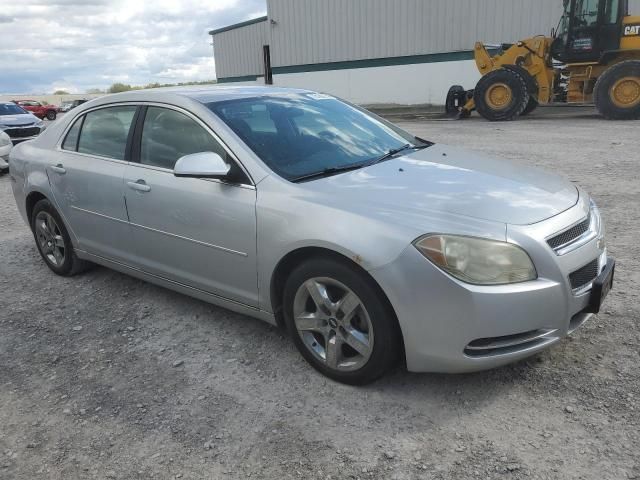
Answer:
[(588, 29)]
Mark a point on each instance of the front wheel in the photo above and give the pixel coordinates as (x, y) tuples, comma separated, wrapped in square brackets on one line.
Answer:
[(617, 91), (340, 322), (501, 95), (51, 115)]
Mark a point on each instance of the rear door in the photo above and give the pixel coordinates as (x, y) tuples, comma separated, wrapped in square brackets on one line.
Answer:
[(198, 232), (86, 177)]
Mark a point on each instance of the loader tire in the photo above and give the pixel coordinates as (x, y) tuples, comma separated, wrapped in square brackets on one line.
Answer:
[(531, 106), (501, 95), (452, 105), (532, 87), (617, 91)]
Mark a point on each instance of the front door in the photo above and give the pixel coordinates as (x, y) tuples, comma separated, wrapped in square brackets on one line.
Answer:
[(595, 29), (86, 178), (198, 232)]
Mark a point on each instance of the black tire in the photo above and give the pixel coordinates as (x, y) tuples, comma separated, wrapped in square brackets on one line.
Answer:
[(532, 88), (386, 347), (531, 106), (70, 264), (603, 94), (518, 101), (51, 115), (452, 105)]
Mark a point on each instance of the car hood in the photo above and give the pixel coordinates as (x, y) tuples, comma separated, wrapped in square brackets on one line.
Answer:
[(452, 180), (20, 120)]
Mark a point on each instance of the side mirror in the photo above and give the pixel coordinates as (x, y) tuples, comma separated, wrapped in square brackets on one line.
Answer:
[(201, 165)]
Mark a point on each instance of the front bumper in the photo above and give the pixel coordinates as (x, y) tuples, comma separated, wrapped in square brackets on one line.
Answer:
[(452, 327)]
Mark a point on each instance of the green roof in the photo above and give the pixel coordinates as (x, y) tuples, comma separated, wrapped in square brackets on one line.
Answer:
[(238, 25)]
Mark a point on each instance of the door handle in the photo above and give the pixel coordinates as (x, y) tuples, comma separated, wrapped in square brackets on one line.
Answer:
[(58, 169), (139, 186)]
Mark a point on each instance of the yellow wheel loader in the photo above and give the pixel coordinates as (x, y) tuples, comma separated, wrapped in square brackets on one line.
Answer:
[(592, 58)]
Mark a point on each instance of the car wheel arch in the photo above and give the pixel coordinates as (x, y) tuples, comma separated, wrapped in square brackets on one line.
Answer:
[(31, 200), (294, 258)]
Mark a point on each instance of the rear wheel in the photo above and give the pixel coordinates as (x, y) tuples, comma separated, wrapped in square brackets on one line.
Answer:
[(617, 91), (339, 321), (53, 242), (454, 102), (501, 95)]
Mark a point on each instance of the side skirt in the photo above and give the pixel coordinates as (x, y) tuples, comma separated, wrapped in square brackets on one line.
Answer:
[(180, 287)]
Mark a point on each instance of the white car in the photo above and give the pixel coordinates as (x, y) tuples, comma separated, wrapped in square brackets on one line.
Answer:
[(5, 147)]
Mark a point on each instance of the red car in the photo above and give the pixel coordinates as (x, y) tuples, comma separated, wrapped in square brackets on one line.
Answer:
[(39, 109)]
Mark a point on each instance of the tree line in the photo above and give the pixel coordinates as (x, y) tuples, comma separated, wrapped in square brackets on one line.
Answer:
[(124, 87)]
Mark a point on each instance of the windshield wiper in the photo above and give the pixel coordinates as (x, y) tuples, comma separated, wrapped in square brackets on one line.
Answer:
[(327, 172), (394, 151), (347, 168)]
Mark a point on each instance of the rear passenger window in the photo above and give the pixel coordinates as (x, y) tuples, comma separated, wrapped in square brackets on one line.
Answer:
[(168, 135), (105, 132), (71, 140)]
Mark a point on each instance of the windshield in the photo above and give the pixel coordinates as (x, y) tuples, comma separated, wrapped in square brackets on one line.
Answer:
[(563, 25), (11, 109), (302, 134)]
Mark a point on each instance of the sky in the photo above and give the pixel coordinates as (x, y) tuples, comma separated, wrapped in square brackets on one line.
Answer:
[(76, 45)]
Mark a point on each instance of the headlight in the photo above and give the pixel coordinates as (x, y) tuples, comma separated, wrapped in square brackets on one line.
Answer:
[(4, 139), (476, 260)]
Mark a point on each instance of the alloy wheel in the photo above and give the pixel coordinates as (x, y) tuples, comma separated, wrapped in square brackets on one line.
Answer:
[(50, 239), (333, 324)]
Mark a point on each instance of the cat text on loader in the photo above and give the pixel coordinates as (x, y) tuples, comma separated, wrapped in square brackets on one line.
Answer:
[(593, 57)]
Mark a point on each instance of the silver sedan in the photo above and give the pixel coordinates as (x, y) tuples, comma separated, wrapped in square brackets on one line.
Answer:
[(369, 245)]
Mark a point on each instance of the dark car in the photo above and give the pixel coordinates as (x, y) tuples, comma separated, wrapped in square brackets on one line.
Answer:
[(71, 104)]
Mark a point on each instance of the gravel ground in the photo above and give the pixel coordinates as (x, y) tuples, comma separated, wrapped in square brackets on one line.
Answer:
[(104, 376)]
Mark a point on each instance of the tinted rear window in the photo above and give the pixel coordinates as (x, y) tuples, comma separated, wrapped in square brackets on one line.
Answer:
[(105, 131), (71, 140)]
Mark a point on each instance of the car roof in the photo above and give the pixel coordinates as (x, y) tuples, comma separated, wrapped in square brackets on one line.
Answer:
[(205, 93)]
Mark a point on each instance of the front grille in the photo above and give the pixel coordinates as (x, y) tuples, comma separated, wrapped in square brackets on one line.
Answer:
[(22, 132), (569, 235), (584, 275)]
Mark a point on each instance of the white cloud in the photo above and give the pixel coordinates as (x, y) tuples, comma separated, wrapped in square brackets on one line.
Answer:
[(80, 44)]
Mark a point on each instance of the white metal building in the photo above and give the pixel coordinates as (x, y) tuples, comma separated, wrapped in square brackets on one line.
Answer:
[(404, 52)]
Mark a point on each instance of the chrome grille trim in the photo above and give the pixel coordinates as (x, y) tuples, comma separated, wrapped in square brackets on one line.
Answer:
[(569, 235), (509, 344), (576, 235)]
